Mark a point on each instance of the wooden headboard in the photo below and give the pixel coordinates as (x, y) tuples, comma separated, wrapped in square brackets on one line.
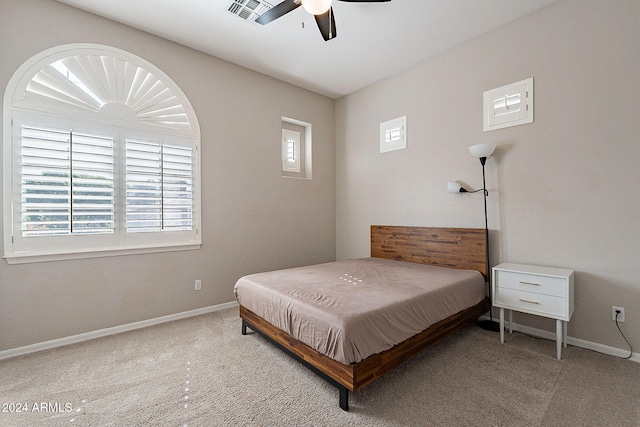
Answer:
[(463, 248)]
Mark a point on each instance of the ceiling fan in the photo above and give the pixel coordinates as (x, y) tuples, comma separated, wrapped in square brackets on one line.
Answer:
[(321, 9)]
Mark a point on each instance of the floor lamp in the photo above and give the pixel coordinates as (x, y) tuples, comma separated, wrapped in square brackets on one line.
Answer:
[(482, 151)]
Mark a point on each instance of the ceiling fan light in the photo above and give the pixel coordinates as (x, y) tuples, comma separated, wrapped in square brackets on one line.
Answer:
[(316, 7)]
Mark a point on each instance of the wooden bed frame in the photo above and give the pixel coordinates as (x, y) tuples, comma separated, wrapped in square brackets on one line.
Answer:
[(463, 248)]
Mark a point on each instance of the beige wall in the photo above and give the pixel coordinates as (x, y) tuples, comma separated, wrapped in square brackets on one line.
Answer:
[(253, 219), (563, 190)]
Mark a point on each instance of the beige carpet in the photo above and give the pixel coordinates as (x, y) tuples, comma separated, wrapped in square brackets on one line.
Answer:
[(203, 372)]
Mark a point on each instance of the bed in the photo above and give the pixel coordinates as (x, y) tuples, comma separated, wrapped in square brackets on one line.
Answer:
[(432, 281)]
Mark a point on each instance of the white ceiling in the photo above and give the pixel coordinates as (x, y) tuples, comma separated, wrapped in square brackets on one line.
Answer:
[(374, 40)]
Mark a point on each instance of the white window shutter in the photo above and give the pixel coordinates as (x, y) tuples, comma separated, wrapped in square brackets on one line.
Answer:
[(159, 187), (144, 186), (177, 187), (393, 134), (67, 182), (46, 182), (290, 151), (92, 183), (509, 105)]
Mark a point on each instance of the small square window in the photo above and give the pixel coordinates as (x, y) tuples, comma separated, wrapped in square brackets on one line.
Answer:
[(393, 134), (509, 105), (295, 149)]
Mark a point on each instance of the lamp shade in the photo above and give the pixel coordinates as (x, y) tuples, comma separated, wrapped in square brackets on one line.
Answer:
[(483, 150), (455, 188), (316, 7)]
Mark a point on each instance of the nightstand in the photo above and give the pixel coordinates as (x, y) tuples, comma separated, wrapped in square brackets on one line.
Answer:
[(542, 291)]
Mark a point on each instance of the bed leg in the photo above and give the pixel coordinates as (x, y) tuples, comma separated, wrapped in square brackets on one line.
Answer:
[(344, 398), (344, 392)]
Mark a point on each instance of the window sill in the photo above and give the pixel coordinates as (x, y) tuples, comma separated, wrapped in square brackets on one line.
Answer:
[(24, 258)]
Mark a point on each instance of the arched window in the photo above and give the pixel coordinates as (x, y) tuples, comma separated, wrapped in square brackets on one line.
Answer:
[(100, 158)]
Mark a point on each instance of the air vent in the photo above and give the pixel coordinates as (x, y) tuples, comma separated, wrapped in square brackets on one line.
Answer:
[(249, 10)]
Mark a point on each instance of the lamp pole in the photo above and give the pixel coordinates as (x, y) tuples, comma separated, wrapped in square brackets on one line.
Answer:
[(488, 325)]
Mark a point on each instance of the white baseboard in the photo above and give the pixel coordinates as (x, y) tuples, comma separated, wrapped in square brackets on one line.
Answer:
[(600, 348), (46, 345)]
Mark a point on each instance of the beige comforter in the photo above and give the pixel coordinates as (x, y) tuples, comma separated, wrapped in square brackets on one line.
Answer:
[(349, 310)]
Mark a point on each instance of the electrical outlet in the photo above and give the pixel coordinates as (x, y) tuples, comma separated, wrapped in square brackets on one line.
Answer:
[(198, 285), (614, 309)]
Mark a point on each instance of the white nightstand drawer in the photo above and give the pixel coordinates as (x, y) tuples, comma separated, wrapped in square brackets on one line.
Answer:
[(545, 285), (529, 302)]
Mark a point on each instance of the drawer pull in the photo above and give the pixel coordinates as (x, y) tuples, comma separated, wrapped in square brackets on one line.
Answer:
[(529, 283), (530, 302)]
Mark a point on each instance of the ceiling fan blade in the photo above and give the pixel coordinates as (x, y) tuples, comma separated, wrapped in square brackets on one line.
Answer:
[(327, 25), (277, 11)]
